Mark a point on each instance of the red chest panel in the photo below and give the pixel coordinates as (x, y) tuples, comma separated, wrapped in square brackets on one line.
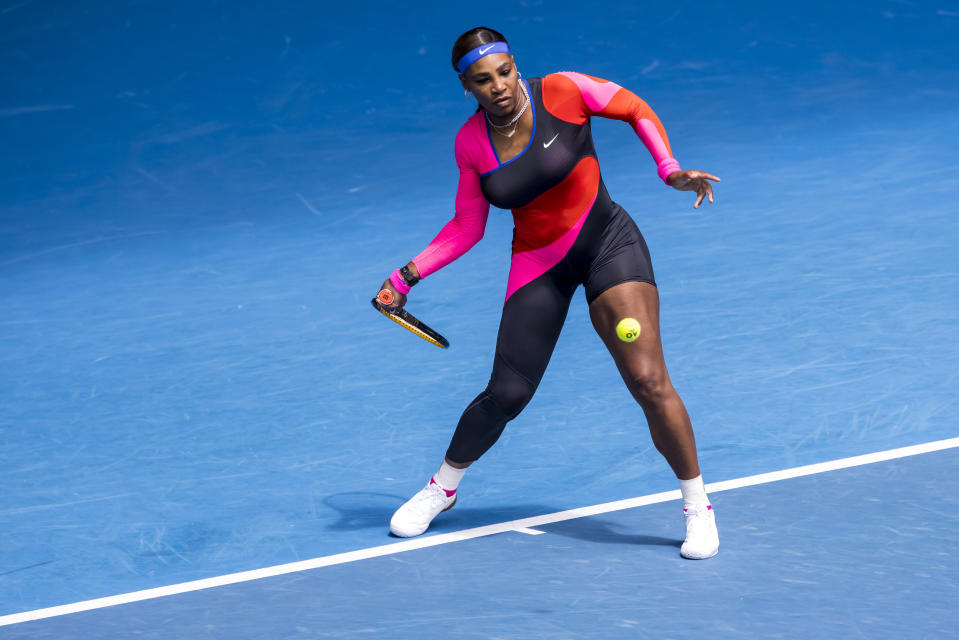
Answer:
[(553, 213)]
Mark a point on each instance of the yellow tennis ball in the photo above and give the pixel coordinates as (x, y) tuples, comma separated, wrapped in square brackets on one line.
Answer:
[(628, 329)]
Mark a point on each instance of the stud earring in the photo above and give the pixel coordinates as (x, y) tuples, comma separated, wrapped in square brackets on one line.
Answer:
[(466, 92)]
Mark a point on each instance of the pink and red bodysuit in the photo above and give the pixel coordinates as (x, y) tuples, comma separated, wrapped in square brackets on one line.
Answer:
[(567, 232)]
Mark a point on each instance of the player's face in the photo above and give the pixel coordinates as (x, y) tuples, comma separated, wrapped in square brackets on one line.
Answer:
[(493, 80)]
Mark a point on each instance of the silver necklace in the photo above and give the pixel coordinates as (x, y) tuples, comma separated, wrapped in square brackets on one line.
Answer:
[(514, 122)]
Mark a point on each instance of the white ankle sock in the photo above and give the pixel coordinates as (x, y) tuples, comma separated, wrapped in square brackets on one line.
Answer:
[(449, 477), (694, 491)]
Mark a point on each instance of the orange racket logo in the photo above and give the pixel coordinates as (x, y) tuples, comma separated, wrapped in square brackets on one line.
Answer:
[(385, 296)]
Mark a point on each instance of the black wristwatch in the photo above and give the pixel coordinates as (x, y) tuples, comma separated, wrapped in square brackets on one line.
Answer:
[(408, 275)]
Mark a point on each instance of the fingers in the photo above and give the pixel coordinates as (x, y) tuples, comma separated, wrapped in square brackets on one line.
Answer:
[(704, 189), (694, 180)]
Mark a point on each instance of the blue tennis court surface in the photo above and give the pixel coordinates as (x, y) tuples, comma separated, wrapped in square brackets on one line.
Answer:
[(858, 552), (198, 200)]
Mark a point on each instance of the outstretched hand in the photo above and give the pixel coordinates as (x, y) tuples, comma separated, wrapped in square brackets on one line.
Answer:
[(693, 180)]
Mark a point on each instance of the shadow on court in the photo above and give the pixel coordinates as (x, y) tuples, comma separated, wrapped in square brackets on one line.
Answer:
[(362, 509), (603, 532), (366, 510)]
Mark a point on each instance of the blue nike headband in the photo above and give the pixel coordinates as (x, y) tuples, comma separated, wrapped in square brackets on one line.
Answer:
[(481, 52)]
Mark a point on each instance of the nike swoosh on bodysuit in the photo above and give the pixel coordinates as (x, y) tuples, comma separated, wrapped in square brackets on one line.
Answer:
[(546, 144)]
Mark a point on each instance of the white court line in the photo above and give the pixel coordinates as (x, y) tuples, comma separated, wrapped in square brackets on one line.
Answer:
[(469, 534), (529, 532)]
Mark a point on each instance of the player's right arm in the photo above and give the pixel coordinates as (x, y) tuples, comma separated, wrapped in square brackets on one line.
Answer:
[(458, 236)]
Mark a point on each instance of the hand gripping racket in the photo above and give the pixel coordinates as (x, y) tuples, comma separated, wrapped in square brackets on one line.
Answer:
[(407, 320)]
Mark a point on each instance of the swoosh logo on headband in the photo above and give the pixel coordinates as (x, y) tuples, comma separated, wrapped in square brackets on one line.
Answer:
[(482, 51)]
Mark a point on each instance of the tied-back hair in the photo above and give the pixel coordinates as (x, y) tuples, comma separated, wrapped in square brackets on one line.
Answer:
[(473, 38)]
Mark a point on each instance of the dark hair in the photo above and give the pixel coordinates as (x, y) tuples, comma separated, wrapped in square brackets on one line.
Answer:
[(472, 39)]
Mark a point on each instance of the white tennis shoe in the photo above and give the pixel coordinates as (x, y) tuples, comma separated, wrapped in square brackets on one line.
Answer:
[(702, 538), (418, 512)]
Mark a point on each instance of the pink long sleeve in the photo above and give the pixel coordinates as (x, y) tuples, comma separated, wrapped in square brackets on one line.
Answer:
[(472, 210), (576, 96)]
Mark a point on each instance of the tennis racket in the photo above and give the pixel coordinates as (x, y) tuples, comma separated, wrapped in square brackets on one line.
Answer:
[(407, 320)]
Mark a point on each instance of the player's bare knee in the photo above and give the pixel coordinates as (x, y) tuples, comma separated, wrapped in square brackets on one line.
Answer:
[(649, 385)]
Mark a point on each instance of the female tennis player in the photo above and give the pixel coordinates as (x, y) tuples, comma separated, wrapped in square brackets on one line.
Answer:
[(529, 148)]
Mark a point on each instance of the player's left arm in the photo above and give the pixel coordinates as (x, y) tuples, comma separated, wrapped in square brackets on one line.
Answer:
[(607, 99)]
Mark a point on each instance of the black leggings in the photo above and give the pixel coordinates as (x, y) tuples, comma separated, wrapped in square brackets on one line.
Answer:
[(601, 257)]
